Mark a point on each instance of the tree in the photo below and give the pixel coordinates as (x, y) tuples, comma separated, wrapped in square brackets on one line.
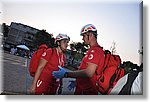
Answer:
[(5, 30), (129, 66), (85, 47), (78, 50), (113, 48), (42, 37), (72, 46), (79, 47)]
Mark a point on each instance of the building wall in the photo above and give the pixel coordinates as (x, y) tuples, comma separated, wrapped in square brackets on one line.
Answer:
[(21, 34)]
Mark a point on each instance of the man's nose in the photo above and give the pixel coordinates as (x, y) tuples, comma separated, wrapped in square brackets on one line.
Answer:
[(82, 39), (67, 44)]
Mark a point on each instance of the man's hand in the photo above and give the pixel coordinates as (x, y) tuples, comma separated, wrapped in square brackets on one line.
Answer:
[(32, 89), (59, 74)]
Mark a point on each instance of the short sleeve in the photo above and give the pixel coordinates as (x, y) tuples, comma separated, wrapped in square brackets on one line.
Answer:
[(47, 54)]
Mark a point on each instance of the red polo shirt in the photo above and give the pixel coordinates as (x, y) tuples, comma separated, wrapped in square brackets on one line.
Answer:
[(94, 55), (54, 60)]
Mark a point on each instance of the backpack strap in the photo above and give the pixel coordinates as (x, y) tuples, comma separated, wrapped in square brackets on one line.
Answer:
[(113, 79), (111, 83), (107, 53)]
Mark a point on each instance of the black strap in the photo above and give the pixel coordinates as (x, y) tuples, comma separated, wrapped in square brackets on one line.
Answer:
[(111, 82)]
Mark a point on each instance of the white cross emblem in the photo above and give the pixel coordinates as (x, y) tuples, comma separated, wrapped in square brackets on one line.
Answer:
[(90, 56)]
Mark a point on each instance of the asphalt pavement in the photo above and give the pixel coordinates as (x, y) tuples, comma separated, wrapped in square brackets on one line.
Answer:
[(16, 79)]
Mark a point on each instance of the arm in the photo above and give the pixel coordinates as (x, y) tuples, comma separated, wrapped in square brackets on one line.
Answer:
[(41, 65), (85, 73), (71, 68)]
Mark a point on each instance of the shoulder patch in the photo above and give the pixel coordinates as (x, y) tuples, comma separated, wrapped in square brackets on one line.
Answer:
[(90, 56)]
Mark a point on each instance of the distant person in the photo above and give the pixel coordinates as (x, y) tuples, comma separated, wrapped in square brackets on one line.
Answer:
[(44, 82), (23, 53), (91, 62), (16, 50), (12, 50)]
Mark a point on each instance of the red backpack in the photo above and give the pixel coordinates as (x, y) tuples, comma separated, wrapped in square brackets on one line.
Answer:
[(110, 74), (35, 59)]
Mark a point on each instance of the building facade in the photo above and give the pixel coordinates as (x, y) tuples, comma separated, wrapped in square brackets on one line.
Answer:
[(21, 34)]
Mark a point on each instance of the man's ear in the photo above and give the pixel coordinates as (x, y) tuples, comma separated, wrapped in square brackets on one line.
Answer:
[(91, 35), (58, 43)]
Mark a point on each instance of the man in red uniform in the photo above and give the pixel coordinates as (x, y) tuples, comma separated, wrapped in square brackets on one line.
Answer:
[(91, 64), (44, 82)]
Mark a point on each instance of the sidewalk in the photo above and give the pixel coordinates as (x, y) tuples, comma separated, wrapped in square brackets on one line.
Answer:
[(16, 78)]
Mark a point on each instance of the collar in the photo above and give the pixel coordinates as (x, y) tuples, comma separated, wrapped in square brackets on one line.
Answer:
[(96, 45)]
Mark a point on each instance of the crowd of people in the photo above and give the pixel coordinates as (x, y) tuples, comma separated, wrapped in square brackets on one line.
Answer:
[(20, 52)]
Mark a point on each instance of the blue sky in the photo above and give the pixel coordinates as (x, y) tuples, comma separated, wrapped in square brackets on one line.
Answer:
[(115, 21)]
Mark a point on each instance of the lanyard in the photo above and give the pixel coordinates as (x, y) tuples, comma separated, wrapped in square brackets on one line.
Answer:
[(60, 59)]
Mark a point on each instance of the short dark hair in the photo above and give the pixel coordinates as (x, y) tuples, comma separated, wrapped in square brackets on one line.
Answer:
[(94, 33)]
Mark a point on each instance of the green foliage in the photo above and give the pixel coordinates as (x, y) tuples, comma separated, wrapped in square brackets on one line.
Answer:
[(129, 66), (79, 47), (78, 50), (42, 37), (78, 56)]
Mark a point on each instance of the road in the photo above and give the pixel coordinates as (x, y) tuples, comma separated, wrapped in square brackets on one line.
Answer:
[(16, 78)]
